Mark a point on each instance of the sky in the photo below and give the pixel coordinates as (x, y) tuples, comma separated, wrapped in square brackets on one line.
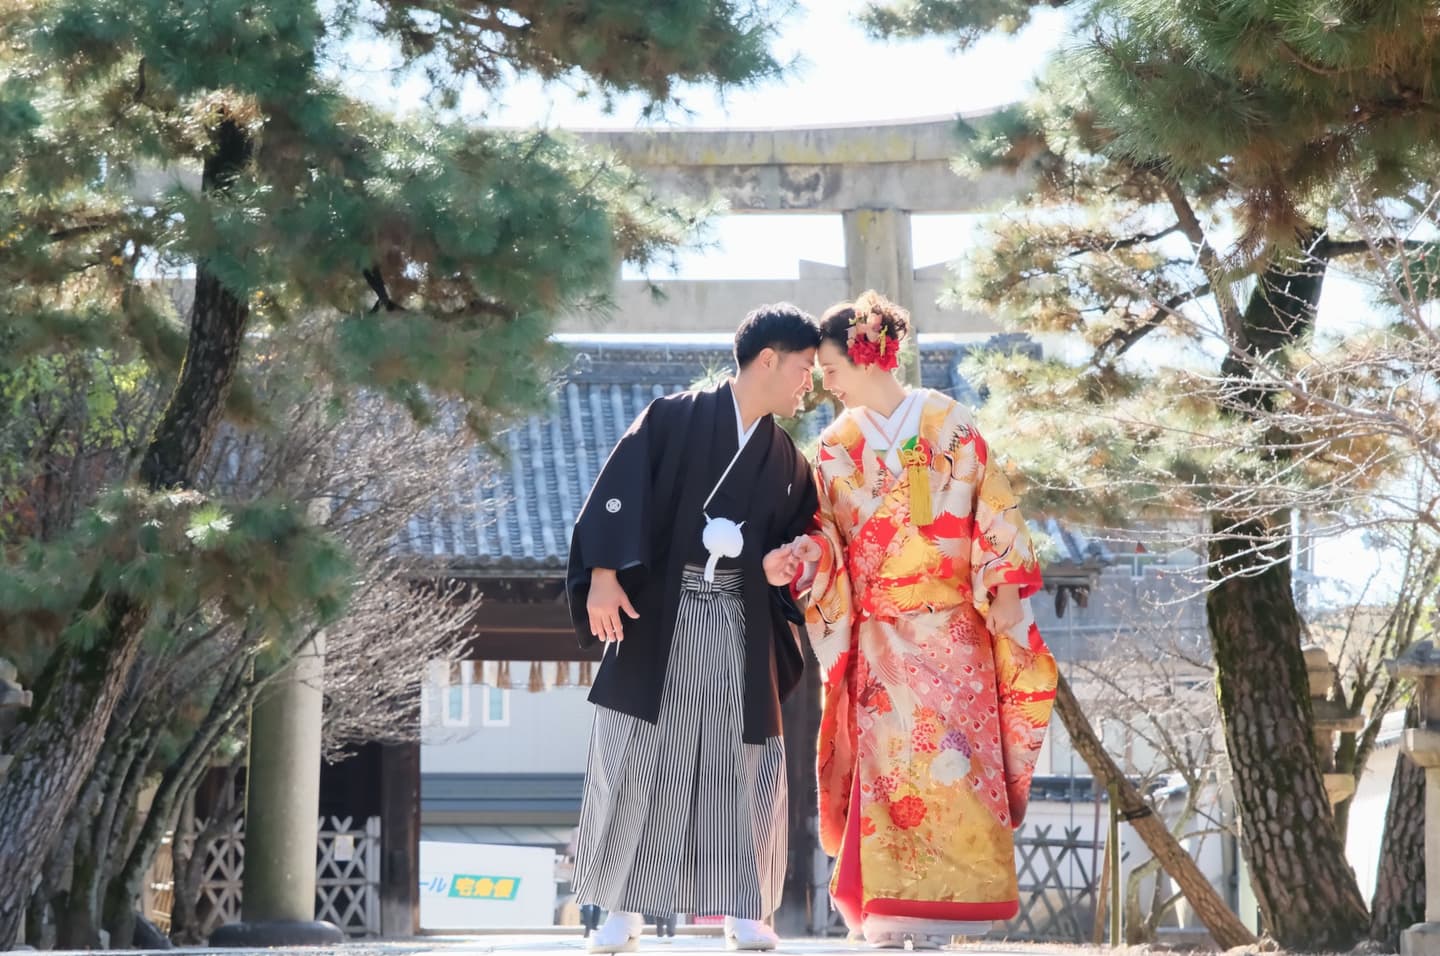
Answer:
[(920, 79)]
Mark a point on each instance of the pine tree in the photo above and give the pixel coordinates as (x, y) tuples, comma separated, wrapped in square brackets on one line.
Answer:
[(210, 138), (1194, 169)]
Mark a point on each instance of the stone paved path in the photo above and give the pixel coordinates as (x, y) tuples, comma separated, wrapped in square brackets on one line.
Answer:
[(573, 944)]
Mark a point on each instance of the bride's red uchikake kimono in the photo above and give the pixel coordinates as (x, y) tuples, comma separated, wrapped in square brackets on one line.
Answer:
[(931, 724)]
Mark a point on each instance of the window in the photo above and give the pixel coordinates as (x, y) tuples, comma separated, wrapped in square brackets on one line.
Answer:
[(455, 695), (495, 707)]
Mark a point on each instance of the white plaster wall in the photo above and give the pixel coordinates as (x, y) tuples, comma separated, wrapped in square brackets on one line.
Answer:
[(1367, 818), (549, 732)]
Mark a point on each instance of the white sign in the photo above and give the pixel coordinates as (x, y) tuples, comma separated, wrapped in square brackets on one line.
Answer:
[(467, 886)]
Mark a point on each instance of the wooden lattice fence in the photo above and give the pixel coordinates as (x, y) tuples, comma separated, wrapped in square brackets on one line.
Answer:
[(347, 876), (1059, 880)]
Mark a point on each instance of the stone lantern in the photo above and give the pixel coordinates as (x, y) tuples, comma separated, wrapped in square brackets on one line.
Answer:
[(1330, 718), (1421, 663)]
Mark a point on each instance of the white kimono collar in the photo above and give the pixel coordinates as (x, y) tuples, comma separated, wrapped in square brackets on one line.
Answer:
[(889, 433)]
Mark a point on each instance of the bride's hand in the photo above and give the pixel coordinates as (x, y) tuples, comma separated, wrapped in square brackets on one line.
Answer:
[(1006, 612), (805, 548)]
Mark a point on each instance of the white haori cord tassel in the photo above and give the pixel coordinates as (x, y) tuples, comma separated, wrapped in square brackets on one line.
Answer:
[(722, 537)]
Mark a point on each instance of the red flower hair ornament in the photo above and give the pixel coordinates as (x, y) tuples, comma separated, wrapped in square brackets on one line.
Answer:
[(869, 342)]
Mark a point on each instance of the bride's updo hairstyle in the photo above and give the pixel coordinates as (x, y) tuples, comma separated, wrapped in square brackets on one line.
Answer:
[(869, 330)]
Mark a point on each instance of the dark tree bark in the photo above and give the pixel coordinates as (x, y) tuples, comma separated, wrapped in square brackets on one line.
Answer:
[(400, 838), (119, 766), (56, 753), (1399, 900), (1307, 892), (1303, 882)]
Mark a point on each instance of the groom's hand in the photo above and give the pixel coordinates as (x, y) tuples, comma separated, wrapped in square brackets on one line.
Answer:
[(607, 599), (780, 566)]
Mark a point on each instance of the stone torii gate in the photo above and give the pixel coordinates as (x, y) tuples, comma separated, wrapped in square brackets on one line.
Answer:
[(875, 177)]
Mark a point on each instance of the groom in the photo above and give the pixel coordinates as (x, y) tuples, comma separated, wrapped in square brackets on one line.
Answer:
[(679, 563)]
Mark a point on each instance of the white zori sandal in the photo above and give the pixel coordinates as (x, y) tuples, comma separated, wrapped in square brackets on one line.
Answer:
[(904, 932), (749, 935), (620, 934)]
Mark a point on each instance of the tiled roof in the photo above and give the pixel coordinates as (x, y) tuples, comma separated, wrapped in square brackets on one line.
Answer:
[(513, 515)]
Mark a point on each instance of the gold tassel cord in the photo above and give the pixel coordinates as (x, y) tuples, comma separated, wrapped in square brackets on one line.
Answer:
[(917, 467)]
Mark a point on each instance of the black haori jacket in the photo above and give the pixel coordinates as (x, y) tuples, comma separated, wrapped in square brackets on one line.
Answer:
[(644, 517)]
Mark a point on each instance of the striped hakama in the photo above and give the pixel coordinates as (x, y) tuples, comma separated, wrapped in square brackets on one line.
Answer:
[(681, 816)]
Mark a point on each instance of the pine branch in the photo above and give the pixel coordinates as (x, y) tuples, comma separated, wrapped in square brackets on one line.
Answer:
[(84, 229), (1206, 255), (1097, 244), (1121, 340), (1332, 249), (377, 283), (1294, 56)]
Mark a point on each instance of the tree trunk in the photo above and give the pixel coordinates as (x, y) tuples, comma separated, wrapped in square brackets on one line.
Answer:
[(51, 895), (185, 873), (217, 334), (1399, 900), (1304, 885), (1341, 813), (35, 929), (1224, 926), (124, 833), (124, 778), (185, 923), (85, 846), (1302, 880), (1137, 928), (56, 753), (80, 688), (801, 717), (178, 781), (76, 926)]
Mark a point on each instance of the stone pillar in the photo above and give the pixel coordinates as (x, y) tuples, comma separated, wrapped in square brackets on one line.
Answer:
[(282, 812), (282, 807), (879, 256), (1330, 718), (283, 793), (1421, 663)]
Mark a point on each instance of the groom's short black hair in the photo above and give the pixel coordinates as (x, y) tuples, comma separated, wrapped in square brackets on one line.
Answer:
[(782, 327)]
